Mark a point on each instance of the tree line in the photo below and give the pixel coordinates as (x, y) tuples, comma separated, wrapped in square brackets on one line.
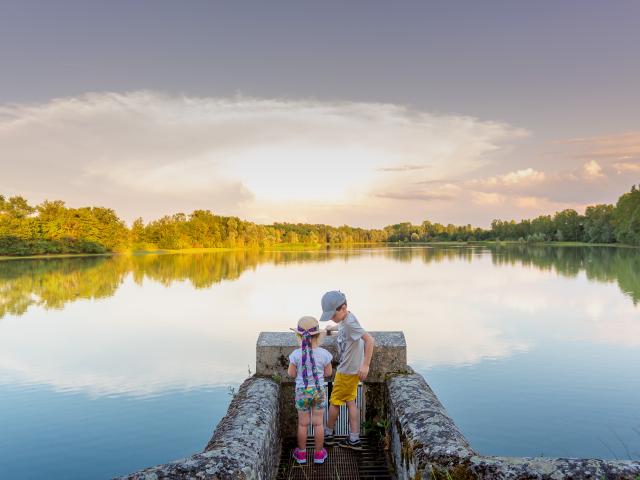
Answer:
[(619, 223), (54, 228)]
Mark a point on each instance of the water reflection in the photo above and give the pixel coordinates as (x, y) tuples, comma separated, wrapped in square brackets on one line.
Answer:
[(140, 325), (52, 283), (545, 340), (602, 264)]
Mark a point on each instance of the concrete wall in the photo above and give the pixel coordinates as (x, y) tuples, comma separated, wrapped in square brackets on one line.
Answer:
[(426, 443), (273, 349)]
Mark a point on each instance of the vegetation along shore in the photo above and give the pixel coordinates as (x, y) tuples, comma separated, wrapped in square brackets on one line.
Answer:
[(52, 228)]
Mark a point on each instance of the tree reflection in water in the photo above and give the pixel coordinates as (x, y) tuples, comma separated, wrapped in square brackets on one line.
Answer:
[(52, 283)]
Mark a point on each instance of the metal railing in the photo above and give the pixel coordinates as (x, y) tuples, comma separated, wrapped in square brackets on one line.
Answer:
[(342, 425)]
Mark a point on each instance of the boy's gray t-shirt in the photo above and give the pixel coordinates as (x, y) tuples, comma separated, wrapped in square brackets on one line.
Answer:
[(350, 345)]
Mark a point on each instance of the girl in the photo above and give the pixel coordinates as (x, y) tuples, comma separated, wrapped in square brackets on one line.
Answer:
[(309, 365)]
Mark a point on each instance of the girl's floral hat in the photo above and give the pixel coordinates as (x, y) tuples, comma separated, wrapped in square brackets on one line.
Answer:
[(307, 325)]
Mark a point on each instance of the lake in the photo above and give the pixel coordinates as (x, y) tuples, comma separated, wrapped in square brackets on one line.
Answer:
[(111, 364)]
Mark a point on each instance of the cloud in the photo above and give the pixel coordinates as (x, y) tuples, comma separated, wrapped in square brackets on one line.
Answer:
[(527, 176), (529, 202), (145, 153), (584, 171), (366, 164), (403, 168), (607, 148), (533, 190), (592, 170), (627, 167), (531, 180), (482, 198), (417, 195)]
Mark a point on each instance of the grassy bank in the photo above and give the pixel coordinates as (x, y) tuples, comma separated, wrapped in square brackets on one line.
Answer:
[(159, 251), (307, 247)]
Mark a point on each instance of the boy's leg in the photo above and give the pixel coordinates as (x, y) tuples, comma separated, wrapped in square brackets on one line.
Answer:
[(334, 410), (304, 417), (318, 429), (350, 396), (354, 417), (329, 439)]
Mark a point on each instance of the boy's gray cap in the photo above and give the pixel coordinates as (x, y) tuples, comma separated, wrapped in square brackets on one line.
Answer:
[(330, 303)]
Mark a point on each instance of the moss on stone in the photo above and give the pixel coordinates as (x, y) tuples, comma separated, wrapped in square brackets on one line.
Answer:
[(456, 472)]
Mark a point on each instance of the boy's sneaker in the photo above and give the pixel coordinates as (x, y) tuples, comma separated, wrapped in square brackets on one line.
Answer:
[(321, 456), (300, 456), (348, 443), (329, 439)]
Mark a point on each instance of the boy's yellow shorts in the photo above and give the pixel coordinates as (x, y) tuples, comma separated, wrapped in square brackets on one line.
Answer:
[(345, 389)]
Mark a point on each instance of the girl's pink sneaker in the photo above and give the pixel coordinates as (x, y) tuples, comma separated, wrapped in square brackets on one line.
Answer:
[(300, 455), (321, 456)]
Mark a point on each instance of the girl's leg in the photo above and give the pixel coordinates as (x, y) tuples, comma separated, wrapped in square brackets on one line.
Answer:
[(304, 417), (318, 428)]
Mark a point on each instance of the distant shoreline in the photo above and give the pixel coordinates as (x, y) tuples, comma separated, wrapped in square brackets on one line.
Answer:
[(302, 248)]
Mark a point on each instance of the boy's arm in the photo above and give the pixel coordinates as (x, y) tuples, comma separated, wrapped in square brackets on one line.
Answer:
[(368, 353), (332, 327), (292, 371)]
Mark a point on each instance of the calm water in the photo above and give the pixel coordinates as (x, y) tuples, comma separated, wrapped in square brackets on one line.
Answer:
[(108, 365)]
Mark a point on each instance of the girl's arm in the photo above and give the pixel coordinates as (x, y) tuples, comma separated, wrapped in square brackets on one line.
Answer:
[(328, 370), (292, 371)]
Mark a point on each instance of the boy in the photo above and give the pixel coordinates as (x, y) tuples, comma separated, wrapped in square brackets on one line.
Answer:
[(355, 348)]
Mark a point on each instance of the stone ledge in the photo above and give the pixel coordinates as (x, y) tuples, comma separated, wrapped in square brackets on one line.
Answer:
[(421, 430), (273, 349), (245, 445), (426, 443), (522, 468)]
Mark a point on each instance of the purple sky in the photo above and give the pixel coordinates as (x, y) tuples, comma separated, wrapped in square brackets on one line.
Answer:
[(453, 111)]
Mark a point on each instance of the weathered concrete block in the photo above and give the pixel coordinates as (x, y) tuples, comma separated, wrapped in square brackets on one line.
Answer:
[(426, 443), (421, 430), (273, 349), (524, 468), (245, 445)]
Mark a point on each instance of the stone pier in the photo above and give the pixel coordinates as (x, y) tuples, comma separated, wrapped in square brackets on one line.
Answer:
[(422, 440), (272, 361)]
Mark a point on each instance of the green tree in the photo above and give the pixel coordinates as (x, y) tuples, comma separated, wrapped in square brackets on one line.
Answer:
[(598, 224), (543, 226), (626, 217), (568, 224)]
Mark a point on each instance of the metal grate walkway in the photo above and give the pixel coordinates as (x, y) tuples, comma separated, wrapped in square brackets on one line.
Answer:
[(342, 463)]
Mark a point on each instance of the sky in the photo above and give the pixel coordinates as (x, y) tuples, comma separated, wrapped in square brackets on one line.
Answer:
[(363, 112)]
